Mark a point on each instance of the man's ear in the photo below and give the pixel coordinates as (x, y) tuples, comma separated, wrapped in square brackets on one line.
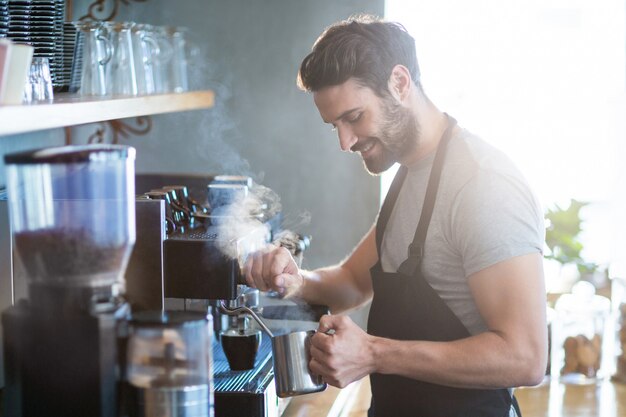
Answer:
[(400, 82)]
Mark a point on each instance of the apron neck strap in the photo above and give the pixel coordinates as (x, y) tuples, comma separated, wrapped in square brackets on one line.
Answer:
[(416, 248), (390, 201)]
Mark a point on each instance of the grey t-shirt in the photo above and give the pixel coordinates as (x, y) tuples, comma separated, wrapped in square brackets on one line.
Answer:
[(485, 213)]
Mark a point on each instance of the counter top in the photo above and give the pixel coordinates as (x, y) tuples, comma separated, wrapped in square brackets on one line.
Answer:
[(352, 401), (607, 399), (553, 399)]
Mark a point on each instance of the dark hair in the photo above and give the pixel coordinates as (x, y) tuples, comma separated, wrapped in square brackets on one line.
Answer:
[(363, 47)]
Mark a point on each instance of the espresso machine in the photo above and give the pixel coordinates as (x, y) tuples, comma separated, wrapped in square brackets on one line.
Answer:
[(198, 230), (73, 225)]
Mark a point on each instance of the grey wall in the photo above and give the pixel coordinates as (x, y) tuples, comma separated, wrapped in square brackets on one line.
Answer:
[(262, 125)]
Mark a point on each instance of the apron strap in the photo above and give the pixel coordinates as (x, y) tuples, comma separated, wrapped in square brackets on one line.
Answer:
[(518, 412), (416, 248), (390, 201)]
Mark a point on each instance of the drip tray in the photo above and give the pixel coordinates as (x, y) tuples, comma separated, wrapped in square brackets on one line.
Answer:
[(251, 380), (245, 393)]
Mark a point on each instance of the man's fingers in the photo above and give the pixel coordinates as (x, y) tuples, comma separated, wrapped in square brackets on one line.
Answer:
[(326, 323), (248, 271), (279, 283), (257, 271), (330, 323), (317, 368), (317, 354), (272, 268), (280, 262), (268, 258)]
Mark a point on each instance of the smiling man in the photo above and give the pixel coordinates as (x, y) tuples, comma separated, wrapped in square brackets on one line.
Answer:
[(453, 264)]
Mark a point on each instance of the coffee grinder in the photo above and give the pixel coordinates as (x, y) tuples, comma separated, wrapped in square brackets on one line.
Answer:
[(72, 212)]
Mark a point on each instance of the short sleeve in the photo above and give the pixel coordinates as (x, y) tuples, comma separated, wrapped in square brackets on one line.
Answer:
[(495, 217)]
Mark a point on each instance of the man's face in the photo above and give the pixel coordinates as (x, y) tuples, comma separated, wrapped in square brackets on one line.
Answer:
[(381, 130)]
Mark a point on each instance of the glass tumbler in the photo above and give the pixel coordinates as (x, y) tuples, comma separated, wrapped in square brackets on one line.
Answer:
[(39, 83), (146, 51), (120, 74), (163, 60), (97, 52), (177, 68)]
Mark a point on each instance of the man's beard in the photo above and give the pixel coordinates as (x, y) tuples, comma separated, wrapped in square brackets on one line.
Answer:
[(398, 136)]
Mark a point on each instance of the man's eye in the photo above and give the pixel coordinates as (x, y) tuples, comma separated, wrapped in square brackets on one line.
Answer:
[(355, 118), (333, 128)]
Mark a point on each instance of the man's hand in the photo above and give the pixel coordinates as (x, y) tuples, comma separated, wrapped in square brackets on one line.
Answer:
[(341, 351), (273, 269)]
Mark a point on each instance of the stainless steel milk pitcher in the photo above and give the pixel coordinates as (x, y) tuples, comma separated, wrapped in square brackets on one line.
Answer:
[(291, 353)]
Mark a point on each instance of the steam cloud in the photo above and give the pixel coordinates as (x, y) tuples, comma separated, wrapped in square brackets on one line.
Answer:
[(242, 224)]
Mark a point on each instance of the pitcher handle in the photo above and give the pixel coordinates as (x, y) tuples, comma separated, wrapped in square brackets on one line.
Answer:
[(153, 45), (108, 49)]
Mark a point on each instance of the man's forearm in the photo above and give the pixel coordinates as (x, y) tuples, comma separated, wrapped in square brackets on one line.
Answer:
[(487, 360), (332, 286)]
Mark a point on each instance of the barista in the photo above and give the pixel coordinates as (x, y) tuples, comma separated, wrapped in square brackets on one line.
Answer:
[(453, 264)]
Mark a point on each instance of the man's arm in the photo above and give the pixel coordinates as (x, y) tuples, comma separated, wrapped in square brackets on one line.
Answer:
[(513, 352), (511, 298), (341, 287)]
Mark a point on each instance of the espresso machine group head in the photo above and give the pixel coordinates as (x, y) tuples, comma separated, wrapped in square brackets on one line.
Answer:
[(190, 247), (73, 224)]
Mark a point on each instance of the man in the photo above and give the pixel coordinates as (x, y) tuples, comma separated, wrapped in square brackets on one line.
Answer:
[(453, 265)]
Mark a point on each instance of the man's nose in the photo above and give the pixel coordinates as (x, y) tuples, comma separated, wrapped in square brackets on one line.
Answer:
[(347, 138)]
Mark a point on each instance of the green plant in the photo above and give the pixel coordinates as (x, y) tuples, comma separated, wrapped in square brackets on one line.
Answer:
[(562, 236)]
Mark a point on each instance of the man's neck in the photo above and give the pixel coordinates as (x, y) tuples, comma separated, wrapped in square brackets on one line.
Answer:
[(432, 124)]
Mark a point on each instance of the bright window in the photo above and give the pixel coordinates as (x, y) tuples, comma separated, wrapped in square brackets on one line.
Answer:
[(543, 80)]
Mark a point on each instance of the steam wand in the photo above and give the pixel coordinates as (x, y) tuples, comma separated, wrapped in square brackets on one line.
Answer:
[(244, 309)]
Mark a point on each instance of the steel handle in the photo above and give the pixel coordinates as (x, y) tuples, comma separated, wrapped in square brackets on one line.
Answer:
[(244, 309)]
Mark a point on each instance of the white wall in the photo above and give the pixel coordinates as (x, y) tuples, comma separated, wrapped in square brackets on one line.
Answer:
[(542, 80)]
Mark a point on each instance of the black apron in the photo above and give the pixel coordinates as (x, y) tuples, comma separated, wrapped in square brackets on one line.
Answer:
[(406, 307)]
